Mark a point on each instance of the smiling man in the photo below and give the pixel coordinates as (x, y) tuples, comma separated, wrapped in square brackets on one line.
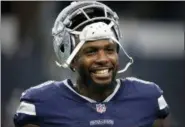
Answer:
[(97, 65), (87, 40)]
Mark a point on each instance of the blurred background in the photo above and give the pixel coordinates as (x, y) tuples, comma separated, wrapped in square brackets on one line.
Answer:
[(153, 34)]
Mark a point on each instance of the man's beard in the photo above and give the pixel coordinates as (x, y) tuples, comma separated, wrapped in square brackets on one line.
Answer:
[(87, 80)]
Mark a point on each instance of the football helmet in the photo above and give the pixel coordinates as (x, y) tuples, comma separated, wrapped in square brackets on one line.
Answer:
[(80, 22)]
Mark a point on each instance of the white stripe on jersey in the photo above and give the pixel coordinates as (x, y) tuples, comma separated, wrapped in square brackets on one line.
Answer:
[(27, 108), (162, 103)]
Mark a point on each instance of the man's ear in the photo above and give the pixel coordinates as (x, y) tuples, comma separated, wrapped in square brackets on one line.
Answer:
[(73, 64)]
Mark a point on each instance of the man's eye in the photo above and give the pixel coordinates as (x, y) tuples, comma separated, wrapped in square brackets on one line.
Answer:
[(110, 49), (90, 52)]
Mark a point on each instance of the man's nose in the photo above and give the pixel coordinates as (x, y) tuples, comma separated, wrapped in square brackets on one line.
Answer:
[(102, 57)]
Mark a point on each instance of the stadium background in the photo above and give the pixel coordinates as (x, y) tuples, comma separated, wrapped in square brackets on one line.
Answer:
[(153, 34)]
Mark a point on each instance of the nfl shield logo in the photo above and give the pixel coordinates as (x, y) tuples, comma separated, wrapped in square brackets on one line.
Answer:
[(101, 108)]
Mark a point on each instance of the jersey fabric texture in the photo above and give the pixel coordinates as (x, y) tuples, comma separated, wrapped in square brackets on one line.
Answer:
[(133, 103)]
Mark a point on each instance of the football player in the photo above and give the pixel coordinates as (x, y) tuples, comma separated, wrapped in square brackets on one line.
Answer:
[(87, 40)]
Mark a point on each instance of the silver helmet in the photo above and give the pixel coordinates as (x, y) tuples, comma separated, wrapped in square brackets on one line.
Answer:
[(87, 21)]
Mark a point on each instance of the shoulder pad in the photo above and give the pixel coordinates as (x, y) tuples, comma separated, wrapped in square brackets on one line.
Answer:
[(35, 91), (134, 79), (144, 86)]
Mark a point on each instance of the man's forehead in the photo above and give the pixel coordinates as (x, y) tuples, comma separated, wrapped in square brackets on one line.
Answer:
[(98, 43)]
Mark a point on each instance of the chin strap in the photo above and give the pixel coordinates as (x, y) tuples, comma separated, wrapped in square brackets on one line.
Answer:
[(130, 58)]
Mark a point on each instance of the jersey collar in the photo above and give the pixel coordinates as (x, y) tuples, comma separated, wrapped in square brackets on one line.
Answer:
[(67, 84)]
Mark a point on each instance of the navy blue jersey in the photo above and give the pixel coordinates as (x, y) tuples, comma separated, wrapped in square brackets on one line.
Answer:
[(133, 103)]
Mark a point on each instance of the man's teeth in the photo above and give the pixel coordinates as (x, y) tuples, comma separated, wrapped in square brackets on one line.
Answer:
[(102, 71)]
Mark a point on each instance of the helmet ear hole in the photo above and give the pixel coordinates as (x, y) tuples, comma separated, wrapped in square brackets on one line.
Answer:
[(62, 49)]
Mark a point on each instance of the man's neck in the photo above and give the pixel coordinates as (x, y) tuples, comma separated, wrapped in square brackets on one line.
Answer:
[(93, 93)]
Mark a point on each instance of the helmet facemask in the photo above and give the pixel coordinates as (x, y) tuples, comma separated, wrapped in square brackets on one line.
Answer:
[(89, 21)]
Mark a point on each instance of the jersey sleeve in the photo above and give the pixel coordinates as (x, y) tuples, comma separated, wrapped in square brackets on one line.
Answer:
[(31, 103), (162, 106), (26, 112)]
